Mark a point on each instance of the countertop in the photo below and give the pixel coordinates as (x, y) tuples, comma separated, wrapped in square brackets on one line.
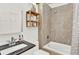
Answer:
[(17, 52)]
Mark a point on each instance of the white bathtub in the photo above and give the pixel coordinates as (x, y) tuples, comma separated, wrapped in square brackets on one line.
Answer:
[(58, 48)]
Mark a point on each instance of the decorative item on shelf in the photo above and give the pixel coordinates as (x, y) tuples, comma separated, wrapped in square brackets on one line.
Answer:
[(33, 8), (37, 7), (32, 18)]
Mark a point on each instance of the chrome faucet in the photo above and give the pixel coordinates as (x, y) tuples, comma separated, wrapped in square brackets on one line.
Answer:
[(20, 37), (12, 41), (0, 53)]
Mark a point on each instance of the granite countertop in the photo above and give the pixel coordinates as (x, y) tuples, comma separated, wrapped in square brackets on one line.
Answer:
[(17, 52)]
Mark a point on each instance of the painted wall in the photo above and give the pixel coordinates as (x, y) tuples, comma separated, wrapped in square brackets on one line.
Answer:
[(61, 24), (75, 31), (30, 34)]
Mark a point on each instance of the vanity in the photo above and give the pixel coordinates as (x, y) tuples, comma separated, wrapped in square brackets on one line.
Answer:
[(16, 49)]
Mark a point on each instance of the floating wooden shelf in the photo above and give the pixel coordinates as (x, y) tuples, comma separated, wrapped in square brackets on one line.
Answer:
[(32, 19), (34, 13)]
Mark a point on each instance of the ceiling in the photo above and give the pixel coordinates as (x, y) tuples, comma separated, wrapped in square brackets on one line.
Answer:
[(52, 5)]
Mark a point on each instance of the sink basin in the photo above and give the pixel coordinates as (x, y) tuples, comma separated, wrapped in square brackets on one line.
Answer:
[(16, 49), (12, 49)]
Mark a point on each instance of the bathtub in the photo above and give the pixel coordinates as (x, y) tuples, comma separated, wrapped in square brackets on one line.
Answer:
[(58, 48)]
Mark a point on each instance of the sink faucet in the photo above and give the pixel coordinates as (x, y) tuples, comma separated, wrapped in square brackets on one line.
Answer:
[(0, 53), (12, 41), (20, 37)]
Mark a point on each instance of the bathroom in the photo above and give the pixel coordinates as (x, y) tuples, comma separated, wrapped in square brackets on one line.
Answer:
[(53, 36)]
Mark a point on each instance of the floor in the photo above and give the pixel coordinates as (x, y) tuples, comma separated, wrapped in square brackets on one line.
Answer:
[(35, 50)]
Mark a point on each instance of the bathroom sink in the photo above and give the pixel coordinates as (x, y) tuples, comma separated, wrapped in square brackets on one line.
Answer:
[(5, 45), (12, 49), (16, 49)]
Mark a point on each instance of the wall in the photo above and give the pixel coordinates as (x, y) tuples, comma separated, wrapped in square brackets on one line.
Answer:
[(45, 24), (75, 31), (30, 34), (61, 24)]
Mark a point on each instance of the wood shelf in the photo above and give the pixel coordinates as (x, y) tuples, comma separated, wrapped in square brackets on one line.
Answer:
[(33, 19), (32, 12)]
